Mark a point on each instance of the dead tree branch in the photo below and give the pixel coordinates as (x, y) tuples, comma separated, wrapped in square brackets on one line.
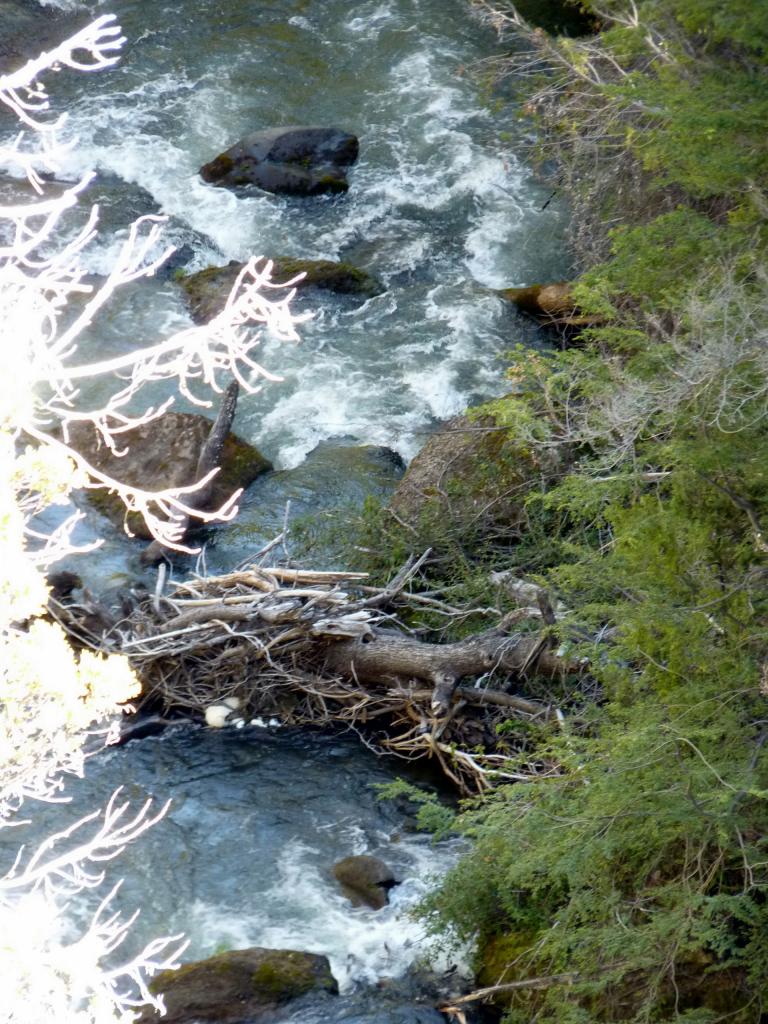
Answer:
[(323, 647)]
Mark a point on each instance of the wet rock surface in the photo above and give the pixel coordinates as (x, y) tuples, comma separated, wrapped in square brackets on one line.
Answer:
[(296, 160), (239, 985), (206, 291), (164, 454), (365, 880)]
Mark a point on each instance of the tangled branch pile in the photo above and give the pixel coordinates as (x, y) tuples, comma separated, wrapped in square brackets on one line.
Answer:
[(323, 647)]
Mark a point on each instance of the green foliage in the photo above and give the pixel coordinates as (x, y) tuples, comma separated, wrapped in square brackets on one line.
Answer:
[(717, 21), (431, 815), (700, 127), (634, 879), (654, 263)]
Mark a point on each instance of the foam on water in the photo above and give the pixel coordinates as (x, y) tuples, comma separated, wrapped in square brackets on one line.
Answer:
[(305, 910), (244, 856), (62, 5), (372, 22), (438, 208)]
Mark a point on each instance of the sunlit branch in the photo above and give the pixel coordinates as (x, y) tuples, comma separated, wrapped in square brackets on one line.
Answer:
[(66, 872), (21, 91), (35, 895), (50, 698)]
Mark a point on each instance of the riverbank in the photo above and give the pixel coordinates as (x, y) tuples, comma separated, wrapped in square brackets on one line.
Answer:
[(631, 882)]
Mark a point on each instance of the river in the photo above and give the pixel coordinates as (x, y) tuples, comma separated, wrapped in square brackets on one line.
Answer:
[(244, 856), (443, 208)]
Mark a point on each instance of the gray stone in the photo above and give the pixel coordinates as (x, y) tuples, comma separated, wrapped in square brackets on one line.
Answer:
[(294, 160)]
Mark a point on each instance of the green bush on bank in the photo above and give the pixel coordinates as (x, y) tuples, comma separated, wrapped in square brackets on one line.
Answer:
[(632, 885)]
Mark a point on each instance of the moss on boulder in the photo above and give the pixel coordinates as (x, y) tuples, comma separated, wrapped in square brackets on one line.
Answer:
[(164, 454), (500, 959), (237, 986), (206, 291), (470, 473)]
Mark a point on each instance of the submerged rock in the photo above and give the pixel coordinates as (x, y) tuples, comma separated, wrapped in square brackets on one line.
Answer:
[(384, 1003), (27, 28), (164, 454), (238, 986), (365, 879), (324, 490), (294, 160), (207, 291)]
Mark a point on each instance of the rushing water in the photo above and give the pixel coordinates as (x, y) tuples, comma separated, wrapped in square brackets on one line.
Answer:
[(443, 209), (244, 856), (441, 206)]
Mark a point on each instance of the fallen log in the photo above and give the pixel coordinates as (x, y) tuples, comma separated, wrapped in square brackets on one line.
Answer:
[(386, 657), (320, 648), (209, 459)]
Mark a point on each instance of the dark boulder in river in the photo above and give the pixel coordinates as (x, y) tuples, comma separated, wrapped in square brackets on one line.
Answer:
[(206, 291), (162, 454), (296, 161), (238, 986)]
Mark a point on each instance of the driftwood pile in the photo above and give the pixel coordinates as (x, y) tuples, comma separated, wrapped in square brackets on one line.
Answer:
[(323, 647)]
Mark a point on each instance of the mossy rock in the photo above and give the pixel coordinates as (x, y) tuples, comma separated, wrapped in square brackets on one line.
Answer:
[(239, 985), (206, 292), (501, 959), (163, 454), (469, 473)]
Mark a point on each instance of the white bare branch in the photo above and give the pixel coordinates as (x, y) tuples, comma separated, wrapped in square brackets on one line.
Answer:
[(21, 90), (50, 698), (38, 283), (42, 973)]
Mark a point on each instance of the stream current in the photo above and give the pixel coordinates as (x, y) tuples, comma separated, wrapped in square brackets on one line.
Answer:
[(442, 209), (244, 856)]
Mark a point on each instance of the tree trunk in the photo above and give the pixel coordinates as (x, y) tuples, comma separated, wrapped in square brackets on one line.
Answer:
[(386, 658)]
